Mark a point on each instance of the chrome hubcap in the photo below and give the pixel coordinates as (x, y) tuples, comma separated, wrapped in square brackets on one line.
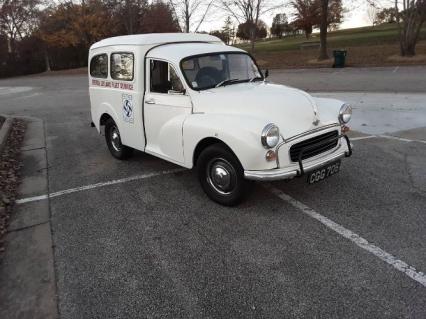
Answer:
[(115, 139), (221, 175)]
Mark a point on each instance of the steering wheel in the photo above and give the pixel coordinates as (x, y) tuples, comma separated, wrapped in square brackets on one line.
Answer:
[(208, 76)]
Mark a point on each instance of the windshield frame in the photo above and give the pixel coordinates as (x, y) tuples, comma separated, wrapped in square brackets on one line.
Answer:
[(216, 53)]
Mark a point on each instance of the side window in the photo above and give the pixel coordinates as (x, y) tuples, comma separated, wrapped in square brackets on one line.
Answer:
[(99, 66), (163, 78), (122, 66)]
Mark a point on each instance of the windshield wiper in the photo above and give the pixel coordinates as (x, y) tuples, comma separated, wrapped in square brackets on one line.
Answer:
[(255, 78), (225, 82)]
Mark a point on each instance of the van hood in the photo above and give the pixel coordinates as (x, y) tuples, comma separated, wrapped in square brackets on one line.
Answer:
[(292, 110)]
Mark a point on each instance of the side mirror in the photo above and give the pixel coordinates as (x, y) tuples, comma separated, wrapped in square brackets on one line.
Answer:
[(266, 73)]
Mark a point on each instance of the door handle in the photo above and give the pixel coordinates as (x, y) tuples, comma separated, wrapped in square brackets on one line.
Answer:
[(150, 101)]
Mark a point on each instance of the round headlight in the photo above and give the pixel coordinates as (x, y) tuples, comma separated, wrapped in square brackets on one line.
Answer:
[(270, 136), (345, 113)]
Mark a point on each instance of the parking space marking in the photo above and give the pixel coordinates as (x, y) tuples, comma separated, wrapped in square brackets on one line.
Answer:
[(403, 267), (26, 96), (362, 137), (401, 139), (97, 185)]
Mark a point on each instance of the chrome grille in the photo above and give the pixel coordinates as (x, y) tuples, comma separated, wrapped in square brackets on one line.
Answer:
[(314, 146)]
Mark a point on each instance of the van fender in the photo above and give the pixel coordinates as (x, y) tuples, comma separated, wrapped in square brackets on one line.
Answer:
[(240, 133), (106, 108)]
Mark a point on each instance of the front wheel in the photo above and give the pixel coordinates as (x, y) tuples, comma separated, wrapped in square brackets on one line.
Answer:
[(221, 175), (113, 140)]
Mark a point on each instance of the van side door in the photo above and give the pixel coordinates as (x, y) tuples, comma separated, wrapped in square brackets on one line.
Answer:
[(166, 106)]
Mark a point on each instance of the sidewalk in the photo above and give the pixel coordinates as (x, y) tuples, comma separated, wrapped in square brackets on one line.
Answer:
[(27, 277)]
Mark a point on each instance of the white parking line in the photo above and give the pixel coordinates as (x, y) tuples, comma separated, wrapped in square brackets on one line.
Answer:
[(401, 139), (396, 69), (97, 185), (26, 96), (388, 137), (403, 267), (362, 137)]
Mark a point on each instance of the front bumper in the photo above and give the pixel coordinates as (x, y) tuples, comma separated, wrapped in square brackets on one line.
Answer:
[(300, 168)]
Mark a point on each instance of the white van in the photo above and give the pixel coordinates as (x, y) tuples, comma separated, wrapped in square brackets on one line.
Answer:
[(194, 101)]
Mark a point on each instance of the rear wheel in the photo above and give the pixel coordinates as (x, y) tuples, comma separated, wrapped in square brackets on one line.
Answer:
[(113, 140), (221, 175)]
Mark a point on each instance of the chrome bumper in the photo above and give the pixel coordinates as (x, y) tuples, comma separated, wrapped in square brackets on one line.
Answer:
[(300, 169)]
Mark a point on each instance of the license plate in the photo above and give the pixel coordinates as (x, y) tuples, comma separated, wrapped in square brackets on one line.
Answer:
[(324, 172)]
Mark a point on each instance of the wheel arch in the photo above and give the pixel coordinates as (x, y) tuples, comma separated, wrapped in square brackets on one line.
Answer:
[(104, 118), (206, 142), (239, 135), (100, 113)]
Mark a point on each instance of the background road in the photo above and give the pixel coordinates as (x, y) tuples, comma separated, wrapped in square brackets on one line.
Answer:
[(402, 79), (158, 247)]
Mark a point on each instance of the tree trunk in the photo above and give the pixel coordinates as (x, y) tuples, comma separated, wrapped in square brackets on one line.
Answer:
[(187, 25), (323, 30), (252, 37), (9, 45), (46, 60), (409, 28), (130, 15), (407, 47), (187, 16)]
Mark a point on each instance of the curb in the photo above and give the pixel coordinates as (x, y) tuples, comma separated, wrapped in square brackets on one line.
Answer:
[(4, 131), (27, 269)]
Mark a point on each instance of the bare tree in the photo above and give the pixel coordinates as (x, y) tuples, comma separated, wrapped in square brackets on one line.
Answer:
[(128, 14), (17, 19), (410, 16), (410, 21), (250, 11), (191, 13), (372, 13)]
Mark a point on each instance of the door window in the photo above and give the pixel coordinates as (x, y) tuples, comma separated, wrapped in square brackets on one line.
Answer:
[(164, 78)]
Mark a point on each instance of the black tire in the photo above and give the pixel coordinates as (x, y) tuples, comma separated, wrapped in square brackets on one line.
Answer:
[(228, 186), (113, 140)]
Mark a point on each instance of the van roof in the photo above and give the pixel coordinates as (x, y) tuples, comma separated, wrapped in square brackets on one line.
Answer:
[(156, 38), (177, 51)]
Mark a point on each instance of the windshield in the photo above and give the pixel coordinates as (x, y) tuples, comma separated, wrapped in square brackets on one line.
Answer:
[(218, 69)]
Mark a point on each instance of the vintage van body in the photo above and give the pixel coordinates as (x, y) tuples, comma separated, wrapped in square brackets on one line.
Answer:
[(194, 101)]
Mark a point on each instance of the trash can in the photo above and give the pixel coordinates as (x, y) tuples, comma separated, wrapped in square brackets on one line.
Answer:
[(339, 58)]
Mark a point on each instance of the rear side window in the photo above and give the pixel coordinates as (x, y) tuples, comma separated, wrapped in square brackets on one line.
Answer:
[(122, 66), (99, 66)]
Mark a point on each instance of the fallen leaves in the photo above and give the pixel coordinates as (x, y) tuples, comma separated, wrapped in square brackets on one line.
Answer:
[(9, 175)]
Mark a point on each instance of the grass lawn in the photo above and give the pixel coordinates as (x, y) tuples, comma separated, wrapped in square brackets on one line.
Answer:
[(367, 46)]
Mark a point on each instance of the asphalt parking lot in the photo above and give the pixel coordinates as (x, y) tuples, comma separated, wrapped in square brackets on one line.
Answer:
[(150, 244)]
